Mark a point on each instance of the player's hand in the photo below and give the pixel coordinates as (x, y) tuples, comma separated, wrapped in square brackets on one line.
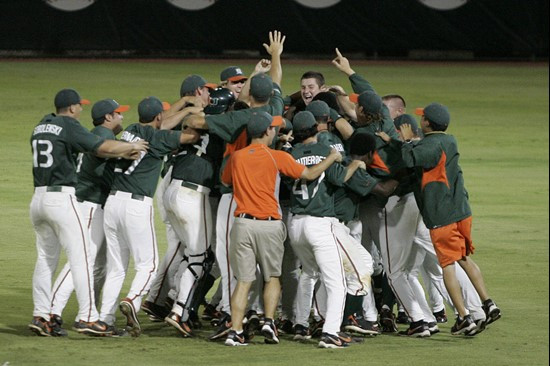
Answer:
[(195, 110), (189, 135), (406, 131), (336, 155), (264, 65), (361, 164), (342, 64), (276, 41), (192, 100), (139, 148), (384, 136), (286, 137)]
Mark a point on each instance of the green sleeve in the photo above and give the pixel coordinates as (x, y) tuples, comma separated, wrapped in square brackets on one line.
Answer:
[(81, 139), (334, 115), (361, 182), (228, 125), (359, 84), (422, 155), (164, 142), (335, 174), (276, 102)]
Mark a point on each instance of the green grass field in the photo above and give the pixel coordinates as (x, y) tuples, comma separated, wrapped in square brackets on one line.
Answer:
[(499, 116)]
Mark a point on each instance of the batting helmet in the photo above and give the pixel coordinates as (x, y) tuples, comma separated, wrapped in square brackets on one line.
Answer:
[(220, 100)]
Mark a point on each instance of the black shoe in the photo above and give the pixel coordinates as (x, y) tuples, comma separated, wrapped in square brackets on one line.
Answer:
[(316, 328), (358, 324), (251, 325), (127, 309), (387, 320), (301, 333), (433, 328), (210, 313), (269, 331), (417, 329), (183, 327), (440, 316), (402, 318), (492, 312), (41, 327), (284, 326), (480, 325), (340, 340), (156, 312), (56, 322), (223, 329), (194, 321), (465, 326), (234, 339), (97, 328)]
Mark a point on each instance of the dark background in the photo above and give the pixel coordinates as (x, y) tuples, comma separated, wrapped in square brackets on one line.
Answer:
[(371, 29)]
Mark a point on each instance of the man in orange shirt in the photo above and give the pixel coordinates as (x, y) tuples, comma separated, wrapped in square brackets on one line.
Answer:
[(258, 232)]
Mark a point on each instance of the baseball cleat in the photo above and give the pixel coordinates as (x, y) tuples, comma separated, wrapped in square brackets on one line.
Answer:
[(358, 324), (464, 326), (433, 328), (183, 327), (97, 328), (284, 326), (235, 339), (40, 327), (133, 326), (223, 329), (480, 326), (417, 329), (301, 333), (387, 320), (252, 324), (155, 312), (492, 312), (210, 313), (316, 329), (440, 316), (340, 340), (269, 331), (402, 318), (56, 322)]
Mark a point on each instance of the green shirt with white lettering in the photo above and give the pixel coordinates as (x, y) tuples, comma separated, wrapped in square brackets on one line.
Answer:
[(56, 142), (141, 176)]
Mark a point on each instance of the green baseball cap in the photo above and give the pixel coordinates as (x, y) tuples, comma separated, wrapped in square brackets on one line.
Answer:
[(107, 106), (261, 86), (406, 119), (435, 113), (318, 108), (260, 121), (232, 73), (303, 121), (68, 97), (194, 82), (150, 107), (370, 101)]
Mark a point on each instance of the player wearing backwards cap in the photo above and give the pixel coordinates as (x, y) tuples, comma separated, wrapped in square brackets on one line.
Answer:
[(263, 93), (233, 79), (311, 231), (55, 216), (194, 174), (95, 176), (443, 202), (258, 233), (129, 215)]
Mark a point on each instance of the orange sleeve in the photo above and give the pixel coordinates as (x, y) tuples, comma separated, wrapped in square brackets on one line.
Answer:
[(288, 166), (227, 175)]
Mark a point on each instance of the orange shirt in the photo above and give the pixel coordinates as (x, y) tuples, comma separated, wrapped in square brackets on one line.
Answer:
[(254, 172)]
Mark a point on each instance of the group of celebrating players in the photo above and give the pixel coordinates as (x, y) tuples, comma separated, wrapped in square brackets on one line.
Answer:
[(367, 200)]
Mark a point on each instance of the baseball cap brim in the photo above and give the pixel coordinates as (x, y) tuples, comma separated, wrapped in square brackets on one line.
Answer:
[(85, 101), (211, 85), (237, 78), (122, 108), (165, 106), (354, 98), (419, 111), (277, 121)]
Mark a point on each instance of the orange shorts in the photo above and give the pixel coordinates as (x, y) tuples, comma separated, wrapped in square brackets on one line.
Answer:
[(453, 242)]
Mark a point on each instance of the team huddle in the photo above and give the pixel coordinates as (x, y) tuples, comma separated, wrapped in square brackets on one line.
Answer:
[(314, 213)]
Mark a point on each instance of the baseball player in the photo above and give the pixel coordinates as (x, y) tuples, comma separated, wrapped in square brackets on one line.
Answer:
[(55, 216), (95, 176), (233, 79), (443, 201), (129, 214)]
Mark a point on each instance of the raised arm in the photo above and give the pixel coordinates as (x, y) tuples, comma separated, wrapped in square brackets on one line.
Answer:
[(275, 49), (264, 65)]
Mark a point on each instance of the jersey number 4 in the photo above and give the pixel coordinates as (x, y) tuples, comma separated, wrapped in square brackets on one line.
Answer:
[(300, 187), (42, 148)]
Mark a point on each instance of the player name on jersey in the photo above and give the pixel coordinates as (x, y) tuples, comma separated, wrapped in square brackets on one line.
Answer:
[(129, 137), (310, 160), (47, 128)]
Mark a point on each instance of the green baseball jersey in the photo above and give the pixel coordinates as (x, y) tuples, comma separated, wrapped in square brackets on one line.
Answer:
[(316, 197), (199, 163), (229, 125), (95, 175), (356, 188), (56, 142), (441, 195), (330, 139), (141, 176)]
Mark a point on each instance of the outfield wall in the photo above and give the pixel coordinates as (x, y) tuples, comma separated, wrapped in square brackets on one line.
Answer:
[(480, 29)]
